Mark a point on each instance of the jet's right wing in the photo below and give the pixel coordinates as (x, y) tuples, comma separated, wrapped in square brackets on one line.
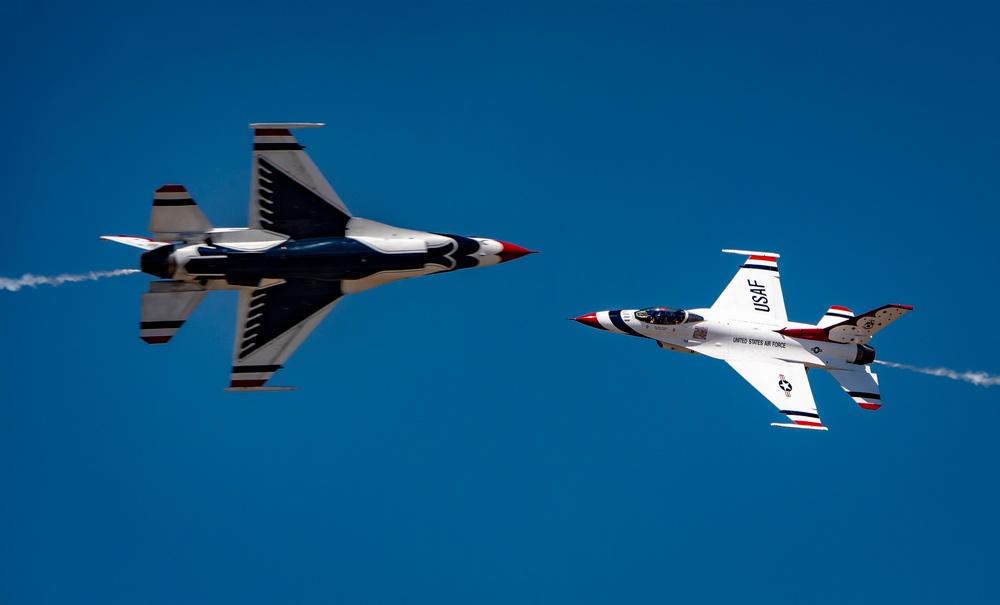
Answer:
[(786, 386), (272, 322), (755, 292), (288, 193)]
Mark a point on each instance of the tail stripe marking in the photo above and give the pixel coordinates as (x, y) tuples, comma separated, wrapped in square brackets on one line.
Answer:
[(161, 203), (160, 325), (275, 139), (764, 267), (864, 395), (795, 413), (255, 369)]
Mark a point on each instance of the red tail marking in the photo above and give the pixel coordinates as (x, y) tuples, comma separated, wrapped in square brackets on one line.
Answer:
[(805, 333)]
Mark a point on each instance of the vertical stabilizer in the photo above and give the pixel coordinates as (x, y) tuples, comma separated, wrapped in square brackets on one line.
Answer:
[(166, 307), (176, 217)]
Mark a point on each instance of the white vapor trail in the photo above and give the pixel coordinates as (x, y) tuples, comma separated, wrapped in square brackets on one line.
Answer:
[(7, 283), (980, 378)]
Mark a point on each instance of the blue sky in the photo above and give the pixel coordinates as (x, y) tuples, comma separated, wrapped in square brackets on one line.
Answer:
[(453, 438)]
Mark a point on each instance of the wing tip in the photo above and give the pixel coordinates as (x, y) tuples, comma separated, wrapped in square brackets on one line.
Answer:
[(285, 125), (751, 253), (261, 389), (806, 427)]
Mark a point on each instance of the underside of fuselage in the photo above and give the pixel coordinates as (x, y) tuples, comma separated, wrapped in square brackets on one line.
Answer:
[(319, 259)]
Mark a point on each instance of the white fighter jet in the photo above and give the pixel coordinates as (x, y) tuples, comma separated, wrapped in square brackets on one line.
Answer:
[(748, 329), (301, 253)]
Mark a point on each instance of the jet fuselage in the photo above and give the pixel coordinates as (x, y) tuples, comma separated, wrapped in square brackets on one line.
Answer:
[(326, 258), (732, 338)]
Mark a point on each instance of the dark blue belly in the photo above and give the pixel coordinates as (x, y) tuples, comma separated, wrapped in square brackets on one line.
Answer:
[(321, 259)]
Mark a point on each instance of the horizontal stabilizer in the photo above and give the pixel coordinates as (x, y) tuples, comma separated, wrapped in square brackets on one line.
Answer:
[(135, 241), (854, 330), (166, 307), (861, 385), (798, 426), (860, 329), (175, 216)]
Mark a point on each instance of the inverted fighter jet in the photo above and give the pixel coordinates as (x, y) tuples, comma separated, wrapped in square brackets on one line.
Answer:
[(748, 329), (301, 253)]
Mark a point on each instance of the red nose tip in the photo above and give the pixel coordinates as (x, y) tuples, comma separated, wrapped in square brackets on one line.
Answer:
[(590, 319), (512, 251)]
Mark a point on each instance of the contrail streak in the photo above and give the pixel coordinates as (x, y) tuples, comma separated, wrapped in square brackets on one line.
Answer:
[(7, 283), (981, 378)]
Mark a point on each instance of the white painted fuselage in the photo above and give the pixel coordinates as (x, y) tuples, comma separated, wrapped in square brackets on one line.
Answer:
[(734, 338)]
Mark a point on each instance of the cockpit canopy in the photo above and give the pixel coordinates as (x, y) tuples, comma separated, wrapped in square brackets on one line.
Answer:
[(666, 316)]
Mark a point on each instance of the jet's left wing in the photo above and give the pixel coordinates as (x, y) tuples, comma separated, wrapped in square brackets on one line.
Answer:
[(786, 386), (272, 322), (754, 293), (288, 193)]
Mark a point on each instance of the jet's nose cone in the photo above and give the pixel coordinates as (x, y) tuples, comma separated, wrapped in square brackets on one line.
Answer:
[(512, 251), (590, 319)]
